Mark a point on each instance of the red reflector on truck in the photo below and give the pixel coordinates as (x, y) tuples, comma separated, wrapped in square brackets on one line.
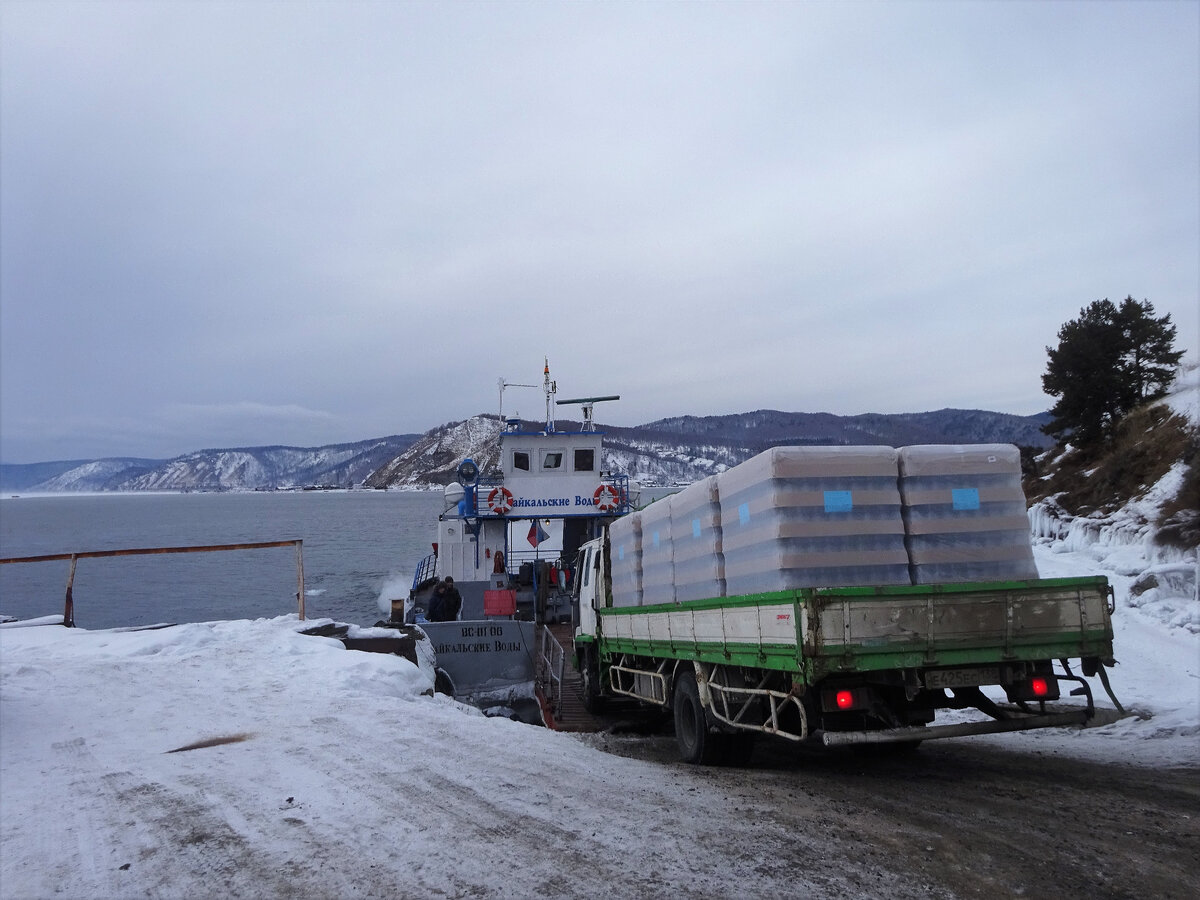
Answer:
[(1035, 687), (845, 699)]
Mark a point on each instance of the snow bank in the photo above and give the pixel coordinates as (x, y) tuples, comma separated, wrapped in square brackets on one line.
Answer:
[(1166, 578), (1157, 618)]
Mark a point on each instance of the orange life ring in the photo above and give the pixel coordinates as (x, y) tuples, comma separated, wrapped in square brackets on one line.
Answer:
[(500, 500), (607, 497)]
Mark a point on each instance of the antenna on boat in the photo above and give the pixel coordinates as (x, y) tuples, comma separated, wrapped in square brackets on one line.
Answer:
[(586, 404), (503, 385)]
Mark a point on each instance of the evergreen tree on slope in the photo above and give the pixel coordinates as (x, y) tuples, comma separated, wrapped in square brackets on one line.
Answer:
[(1108, 361)]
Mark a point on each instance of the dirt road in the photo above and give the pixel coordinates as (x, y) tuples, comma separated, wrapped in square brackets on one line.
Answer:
[(970, 820)]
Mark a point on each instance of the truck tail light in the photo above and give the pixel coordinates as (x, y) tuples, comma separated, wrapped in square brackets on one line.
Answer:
[(845, 699), (1038, 686)]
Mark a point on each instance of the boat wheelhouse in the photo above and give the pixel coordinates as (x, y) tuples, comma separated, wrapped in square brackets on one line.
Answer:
[(508, 538)]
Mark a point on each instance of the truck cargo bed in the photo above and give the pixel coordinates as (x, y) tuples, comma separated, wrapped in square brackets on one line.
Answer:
[(814, 632)]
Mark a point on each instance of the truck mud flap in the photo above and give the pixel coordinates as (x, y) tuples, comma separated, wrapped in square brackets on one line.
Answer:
[(905, 735)]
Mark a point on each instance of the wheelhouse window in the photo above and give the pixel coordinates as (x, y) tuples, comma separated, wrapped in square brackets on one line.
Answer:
[(521, 460), (585, 460), (552, 459)]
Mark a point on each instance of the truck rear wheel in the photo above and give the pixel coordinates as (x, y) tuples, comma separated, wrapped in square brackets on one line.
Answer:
[(697, 744)]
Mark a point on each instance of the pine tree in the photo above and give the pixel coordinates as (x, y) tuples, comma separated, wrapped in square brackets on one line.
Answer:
[(1148, 363), (1108, 361)]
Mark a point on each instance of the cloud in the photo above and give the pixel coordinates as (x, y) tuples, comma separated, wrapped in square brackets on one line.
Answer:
[(374, 212)]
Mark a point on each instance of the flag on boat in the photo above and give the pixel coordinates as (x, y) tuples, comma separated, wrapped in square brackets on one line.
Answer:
[(537, 533)]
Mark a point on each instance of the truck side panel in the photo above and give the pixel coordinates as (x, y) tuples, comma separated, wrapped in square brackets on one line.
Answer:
[(763, 631), (816, 632), (870, 630)]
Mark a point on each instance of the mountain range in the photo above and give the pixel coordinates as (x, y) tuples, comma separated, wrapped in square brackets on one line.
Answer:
[(668, 451)]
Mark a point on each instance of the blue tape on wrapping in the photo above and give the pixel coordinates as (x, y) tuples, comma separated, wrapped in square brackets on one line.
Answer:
[(656, 540), (621, 553), (838, 501), (965, 498), (695, 528), (744, 513)]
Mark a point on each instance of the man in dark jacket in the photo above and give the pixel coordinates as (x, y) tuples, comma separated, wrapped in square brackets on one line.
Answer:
[(452, 602), (437, 604)]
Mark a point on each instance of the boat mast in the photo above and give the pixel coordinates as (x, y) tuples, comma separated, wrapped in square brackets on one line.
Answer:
[(551, 388)]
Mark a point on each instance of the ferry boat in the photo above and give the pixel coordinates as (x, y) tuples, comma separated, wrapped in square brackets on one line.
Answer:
[(508, 538)]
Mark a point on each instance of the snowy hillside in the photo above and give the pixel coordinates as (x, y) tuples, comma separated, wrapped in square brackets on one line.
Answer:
[(1163, 577), (431, 461), (658, 462), (254, 468), (769, 427), (679, 450), (93, 475), (686, 449)]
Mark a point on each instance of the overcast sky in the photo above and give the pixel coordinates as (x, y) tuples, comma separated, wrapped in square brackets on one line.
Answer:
[(234, 224)]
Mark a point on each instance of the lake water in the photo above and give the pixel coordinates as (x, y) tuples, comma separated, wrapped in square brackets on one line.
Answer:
[(360, 548)]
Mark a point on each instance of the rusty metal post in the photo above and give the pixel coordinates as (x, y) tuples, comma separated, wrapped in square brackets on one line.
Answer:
[(300, 577), (69, 605)]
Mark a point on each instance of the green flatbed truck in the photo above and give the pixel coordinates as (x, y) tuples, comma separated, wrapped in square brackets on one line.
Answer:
[(843, 666)]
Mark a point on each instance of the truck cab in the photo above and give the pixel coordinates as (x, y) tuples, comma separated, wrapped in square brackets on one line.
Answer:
[(590, 594)]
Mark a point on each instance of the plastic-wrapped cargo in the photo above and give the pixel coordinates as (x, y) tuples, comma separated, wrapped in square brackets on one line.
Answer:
[(795, 517), (964, 513), (625, 555), (696, 540), (658, 558)]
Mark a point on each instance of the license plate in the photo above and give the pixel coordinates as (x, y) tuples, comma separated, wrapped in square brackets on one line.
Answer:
[(952, 678)]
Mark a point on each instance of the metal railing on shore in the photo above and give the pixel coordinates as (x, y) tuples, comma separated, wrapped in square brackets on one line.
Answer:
[(69, 605)]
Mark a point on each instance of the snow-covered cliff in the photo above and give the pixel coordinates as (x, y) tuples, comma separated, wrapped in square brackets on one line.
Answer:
[(1129, 541)]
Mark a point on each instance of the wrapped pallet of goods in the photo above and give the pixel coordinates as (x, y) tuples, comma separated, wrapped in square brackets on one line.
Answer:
[(795, 517), (658, 558), (964, 514), (696, 539), (625, 552)]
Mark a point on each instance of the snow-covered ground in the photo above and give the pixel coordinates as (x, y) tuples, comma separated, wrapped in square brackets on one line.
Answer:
[(245, 759), (324, 751)]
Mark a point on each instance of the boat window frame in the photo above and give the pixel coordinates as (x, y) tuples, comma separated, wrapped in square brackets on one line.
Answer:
[(517, 467), (576, 451), (547, 455)]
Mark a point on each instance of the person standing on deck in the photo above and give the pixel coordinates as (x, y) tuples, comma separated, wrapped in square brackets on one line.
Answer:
[(451, 602), (437, 604)]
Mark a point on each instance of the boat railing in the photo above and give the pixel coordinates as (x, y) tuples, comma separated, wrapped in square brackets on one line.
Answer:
[(551, 664), (425, 570), (517, 557)]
